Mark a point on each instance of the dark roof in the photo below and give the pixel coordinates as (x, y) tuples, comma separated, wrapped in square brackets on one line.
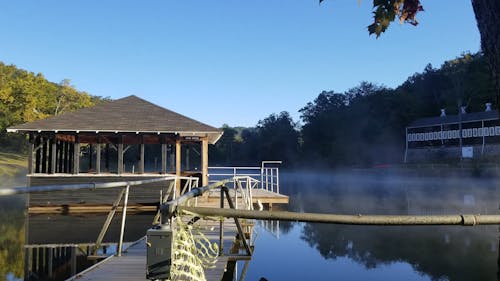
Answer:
[(455, 119), (129, 114)]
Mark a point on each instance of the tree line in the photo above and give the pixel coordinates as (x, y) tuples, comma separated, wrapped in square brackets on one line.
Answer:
[(363, 126), (26, 96)]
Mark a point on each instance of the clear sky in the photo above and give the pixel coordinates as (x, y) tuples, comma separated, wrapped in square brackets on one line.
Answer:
[(222, 61)]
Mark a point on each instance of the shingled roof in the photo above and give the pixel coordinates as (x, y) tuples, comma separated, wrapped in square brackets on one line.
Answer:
[(129, 114), (455, 119)]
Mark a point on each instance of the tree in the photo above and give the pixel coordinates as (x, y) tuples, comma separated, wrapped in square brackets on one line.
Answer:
[(278, 138), (487, 17)]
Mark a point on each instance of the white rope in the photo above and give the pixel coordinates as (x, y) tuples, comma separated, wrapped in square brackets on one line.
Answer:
[(192, 252)]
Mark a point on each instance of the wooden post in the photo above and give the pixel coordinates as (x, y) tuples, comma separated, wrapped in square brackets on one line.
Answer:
[(204, 161), (106, 158), (187, 158), (67, 156), (178, 165), (120, 155), (73, 261), (141, 156), (98, 156), (71, 155), (31, 147), (53, 155), (90, 157), (172, 158), (76, 155), (38, 154), (60, 156), (44, 155), (163, 155)]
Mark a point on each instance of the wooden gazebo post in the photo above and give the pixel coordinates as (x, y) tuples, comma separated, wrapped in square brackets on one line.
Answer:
[(178, 164), (163, 142), (76, 155), (204, 161)]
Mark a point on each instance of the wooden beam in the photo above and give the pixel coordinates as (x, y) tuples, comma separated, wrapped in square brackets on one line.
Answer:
[(44, 155), (187, 158), (76, 155), (38, 154), (172, 158), (53, 155), (60, 156), (178, 165), (98, 156), (31, 148), (204, 161), (90, 157), (106, 158), (120, 155), (71, 154), (66, 165), (141, 156), (163, 155)]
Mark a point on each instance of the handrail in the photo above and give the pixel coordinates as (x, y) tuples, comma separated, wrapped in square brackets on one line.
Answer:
[(93, 185), (269, 175), (171, 205), (237, 167)]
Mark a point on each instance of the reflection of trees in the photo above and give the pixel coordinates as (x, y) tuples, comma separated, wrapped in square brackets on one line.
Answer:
[(11, 238), (453, 253), (456, 253)]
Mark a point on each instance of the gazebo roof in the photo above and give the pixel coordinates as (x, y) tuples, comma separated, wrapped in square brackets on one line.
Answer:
[(126, 115)]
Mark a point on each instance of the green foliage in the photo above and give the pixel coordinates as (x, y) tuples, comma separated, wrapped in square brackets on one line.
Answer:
[(363, 126), (274, 138), (386, 11), (12, 233), (25, 97), (11, 164)]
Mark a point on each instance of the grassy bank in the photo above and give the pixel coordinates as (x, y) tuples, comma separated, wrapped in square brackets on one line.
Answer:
[(11, 164)]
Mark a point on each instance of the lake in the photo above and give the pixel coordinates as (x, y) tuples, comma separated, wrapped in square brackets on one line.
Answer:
[(297, 251)]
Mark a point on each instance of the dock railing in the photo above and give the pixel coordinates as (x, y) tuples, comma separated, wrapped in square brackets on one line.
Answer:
[(190, 183), (267, 174)]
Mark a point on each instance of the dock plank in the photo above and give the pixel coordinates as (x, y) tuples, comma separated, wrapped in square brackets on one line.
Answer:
[(132, 264)]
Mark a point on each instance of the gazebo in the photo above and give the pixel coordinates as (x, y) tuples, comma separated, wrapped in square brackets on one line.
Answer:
[(92, 143)]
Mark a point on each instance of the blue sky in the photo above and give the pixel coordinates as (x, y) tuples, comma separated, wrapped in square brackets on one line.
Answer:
[(232, 62)]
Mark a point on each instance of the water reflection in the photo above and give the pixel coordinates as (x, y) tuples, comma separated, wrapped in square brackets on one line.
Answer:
[(443, 253), (12, 233), (59, 246)]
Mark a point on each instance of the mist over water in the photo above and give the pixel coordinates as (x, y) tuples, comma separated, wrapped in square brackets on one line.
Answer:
[(323, 251), (343, 252)]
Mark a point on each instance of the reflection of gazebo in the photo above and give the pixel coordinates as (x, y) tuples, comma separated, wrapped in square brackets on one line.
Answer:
[(94, 142)]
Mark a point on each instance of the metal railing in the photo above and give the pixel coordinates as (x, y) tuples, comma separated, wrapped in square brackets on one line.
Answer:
[(267, 174), (244, 185), (122, 197), (170, 209)]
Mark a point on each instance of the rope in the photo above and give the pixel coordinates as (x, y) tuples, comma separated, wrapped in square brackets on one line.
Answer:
[(192, 252)]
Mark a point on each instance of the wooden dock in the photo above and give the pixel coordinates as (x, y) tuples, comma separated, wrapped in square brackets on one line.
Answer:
[(132, 264), (259, 195)]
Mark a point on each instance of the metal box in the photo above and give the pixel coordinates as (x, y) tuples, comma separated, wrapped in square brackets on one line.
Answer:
[(159, 253)]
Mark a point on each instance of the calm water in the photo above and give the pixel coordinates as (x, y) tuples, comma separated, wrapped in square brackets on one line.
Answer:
[(298, 251)]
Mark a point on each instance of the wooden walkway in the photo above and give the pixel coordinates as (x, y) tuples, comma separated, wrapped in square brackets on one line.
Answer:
[(259, 195), (132, 264)]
